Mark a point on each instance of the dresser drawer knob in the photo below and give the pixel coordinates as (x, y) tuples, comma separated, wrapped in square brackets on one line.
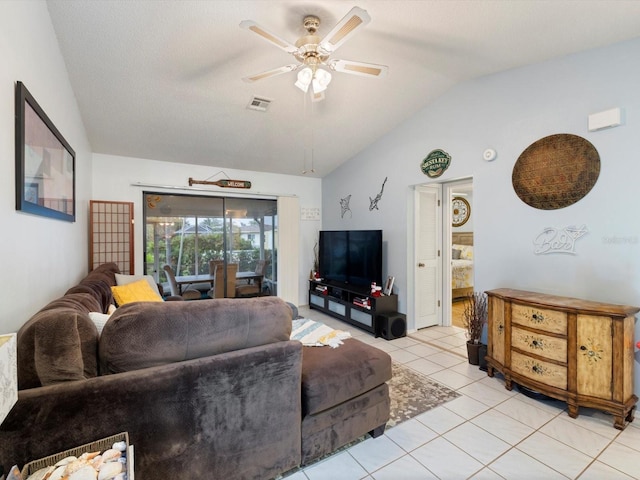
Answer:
[(593, 353), (538, 369)]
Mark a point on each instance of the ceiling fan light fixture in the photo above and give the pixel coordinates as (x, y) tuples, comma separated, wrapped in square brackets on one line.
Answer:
[(305, 76), (321, 80), (313, 53)]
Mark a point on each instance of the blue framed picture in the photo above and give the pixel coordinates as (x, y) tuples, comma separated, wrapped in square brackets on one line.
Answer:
[(45, 163)]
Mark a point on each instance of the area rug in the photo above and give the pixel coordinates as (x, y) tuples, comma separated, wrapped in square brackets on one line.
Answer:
[(412, 394)]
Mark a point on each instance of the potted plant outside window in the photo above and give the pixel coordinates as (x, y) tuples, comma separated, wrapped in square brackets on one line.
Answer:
[(474, 320)]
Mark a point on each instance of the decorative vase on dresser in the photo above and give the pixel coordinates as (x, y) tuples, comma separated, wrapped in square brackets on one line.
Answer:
[(577, 351)]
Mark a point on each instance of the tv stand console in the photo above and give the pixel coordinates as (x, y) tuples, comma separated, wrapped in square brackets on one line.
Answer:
[(346, 303)]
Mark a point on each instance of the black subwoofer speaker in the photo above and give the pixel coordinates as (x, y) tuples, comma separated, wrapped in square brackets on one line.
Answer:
[(391, 325)]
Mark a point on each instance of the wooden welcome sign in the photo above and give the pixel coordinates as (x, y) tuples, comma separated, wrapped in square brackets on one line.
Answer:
[(225, 183)]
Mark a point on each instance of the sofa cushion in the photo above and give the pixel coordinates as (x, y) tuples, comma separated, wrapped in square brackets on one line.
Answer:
[(105, 272), (72, 309), (331, 376), (92, 294), (58, 356), (138, 291), (141, 335), (100, 281), (96, 293), (83, 302)]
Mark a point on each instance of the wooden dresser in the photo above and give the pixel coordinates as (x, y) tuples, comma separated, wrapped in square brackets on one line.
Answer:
[(577, 351)]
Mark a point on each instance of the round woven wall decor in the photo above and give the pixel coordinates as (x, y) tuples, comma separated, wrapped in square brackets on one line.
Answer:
[(556, 171)]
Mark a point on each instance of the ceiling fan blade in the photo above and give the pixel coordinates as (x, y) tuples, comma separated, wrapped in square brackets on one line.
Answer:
[(267, 35), (356, 18), (272, 73), (359, 68)]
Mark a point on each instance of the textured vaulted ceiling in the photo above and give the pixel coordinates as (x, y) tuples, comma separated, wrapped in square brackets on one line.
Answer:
[(162, 79)]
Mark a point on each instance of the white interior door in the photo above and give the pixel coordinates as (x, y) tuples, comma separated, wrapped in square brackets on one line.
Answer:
[(428, 263)]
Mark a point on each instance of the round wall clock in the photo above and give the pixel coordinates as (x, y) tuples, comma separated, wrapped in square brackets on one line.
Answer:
[(460, 211)]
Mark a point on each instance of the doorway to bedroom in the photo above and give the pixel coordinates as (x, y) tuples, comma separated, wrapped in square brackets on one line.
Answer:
[(443, 251), (460, 196)]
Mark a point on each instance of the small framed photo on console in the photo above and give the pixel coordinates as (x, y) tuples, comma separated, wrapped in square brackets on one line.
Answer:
[(388, 286)]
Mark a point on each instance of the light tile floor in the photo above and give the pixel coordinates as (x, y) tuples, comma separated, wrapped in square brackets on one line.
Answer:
[(487, 433)]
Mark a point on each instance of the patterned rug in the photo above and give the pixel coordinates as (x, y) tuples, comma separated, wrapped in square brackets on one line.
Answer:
[(412, 394)]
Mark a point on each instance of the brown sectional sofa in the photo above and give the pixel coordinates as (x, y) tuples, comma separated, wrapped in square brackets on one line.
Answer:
[(205, 389)]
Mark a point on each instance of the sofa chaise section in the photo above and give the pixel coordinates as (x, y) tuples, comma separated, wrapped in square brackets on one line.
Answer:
[(344, 396)]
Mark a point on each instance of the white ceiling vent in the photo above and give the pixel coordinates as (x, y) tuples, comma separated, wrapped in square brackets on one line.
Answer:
[(259, 104)]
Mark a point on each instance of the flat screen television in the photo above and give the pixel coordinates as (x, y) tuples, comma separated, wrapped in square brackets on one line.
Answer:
[(351, 257)]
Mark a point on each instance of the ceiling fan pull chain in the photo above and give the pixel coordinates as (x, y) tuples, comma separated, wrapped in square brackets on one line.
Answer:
[(311, 126), (304, 136)]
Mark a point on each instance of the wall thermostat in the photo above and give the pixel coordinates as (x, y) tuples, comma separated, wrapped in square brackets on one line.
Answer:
[(489, 154)]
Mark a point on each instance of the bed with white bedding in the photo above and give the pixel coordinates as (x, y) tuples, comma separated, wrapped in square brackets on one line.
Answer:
[(462, 264)]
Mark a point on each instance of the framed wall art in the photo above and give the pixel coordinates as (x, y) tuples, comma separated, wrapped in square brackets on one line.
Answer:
[(460, 211), (45, 163)]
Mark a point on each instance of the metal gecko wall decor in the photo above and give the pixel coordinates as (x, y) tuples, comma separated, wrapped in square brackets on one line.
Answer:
[(344, 206), (373, 202)]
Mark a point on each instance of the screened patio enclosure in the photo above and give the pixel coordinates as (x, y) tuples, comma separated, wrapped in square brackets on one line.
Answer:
[(187, 231)]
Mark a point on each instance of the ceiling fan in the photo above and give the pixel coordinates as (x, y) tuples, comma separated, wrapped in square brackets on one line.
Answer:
[(313, 53)]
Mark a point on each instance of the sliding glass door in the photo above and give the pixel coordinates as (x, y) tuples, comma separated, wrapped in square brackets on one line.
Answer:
[(187, 231)]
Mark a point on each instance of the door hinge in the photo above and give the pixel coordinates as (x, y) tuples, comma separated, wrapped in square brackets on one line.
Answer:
[(438, 303), (438, 252), (438, 202)]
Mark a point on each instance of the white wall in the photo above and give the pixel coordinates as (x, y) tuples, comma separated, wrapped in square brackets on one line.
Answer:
[(113, 178), (41, 257), (508, 112)]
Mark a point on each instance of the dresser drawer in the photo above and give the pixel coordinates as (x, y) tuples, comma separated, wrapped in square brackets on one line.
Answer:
[(553, 321), (539, 370), (543, 345)]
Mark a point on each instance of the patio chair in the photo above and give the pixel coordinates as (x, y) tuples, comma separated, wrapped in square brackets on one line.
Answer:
[(189, 292), (219, 282), (252, 289)]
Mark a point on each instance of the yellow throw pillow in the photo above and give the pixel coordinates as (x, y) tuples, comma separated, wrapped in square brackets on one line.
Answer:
[(139, 291)]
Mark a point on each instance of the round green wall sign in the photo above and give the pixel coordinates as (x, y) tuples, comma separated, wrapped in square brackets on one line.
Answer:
[(435, 163)]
